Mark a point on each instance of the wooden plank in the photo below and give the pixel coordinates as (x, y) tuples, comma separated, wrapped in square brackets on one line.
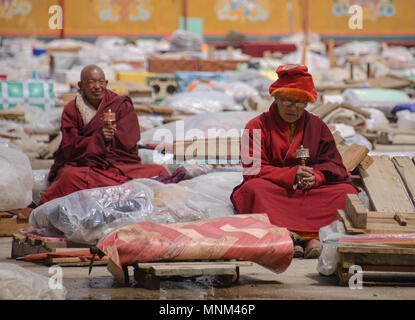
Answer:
[(385, 187), (356, 211), (192, 270), (148, 265), (366, 162), (212, 148), (117, 272), (377, 250), (9, 226), (353, 156), (376, 225), (406, 169), (73, 262)]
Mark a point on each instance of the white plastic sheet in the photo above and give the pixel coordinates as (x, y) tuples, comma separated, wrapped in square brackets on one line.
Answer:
[(40, 184), (197, 102), (17, 283), (210, 125), (16, 181)]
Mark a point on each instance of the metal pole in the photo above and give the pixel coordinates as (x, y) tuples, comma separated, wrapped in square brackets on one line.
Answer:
[(185, 7), (63, 19), (306, 22)]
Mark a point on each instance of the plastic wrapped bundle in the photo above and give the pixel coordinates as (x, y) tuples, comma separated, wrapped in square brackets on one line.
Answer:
[(237, 89), (40, 185), (204, 197), (254, 79), (200, 102), (382, 99), (243, 237), (182, 40), (17, 283), (87, 215), (210, 125), (16, 181)]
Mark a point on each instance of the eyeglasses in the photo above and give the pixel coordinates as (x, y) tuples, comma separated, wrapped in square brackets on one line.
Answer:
[(286, 102)]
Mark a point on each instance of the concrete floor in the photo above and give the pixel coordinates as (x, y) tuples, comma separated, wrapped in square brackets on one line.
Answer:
[(300, 281)]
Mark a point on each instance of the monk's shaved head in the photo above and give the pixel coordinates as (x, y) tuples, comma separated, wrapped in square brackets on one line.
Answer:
[(92, 68)]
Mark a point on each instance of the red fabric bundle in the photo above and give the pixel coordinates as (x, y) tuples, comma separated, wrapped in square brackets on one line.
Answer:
[(243, 237)]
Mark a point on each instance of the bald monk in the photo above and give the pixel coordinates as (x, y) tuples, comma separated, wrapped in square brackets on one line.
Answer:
[(300, 198), (92, 153)]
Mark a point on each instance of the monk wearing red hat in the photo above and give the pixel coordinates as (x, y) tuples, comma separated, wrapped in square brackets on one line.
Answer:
[(94, 153), (301, 198)]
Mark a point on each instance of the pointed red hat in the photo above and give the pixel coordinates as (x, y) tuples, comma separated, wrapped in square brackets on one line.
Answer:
[(295, 83)]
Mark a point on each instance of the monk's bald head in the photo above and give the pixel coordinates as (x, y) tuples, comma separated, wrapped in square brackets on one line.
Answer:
[(91, 69), (93, 84)]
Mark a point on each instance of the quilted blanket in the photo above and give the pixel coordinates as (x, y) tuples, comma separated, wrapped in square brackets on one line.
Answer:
[(248, 237)]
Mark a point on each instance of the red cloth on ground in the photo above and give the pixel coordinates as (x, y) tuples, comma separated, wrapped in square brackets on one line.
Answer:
[(83, 161), (268, 183)]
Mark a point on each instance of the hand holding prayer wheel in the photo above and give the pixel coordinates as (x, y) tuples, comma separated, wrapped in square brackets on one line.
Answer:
[(305, 176), (108, 131)]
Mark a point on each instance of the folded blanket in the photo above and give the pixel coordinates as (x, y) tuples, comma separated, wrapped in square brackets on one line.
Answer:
[(248, 237)]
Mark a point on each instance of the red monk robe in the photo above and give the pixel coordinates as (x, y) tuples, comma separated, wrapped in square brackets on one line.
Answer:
[(271, 190), (84, 162)]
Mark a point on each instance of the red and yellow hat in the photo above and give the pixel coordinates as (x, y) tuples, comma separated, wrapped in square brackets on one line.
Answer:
[(295, 83)]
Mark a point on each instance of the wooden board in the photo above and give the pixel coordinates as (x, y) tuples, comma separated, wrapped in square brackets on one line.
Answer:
[(356, 211), (214, 148), (9, 226), (73, 262), (378, 223), (353, 156), (385, 187), (23, 245), (149, 275), (372, 258), (406, 169)]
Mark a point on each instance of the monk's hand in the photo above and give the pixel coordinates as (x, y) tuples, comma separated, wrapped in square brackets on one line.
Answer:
[(305, 177), (108, 132)]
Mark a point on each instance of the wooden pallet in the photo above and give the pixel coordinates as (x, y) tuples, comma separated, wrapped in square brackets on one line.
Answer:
[(385, 187), (28, 244), (357, 220), (149, 275), (371, 258)]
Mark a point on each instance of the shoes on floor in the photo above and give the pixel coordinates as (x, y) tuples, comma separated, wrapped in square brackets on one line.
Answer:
[(312, 249)]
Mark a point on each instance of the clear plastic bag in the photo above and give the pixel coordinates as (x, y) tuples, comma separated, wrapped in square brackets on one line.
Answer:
[(16, 181), (17, 283), (42, 121), (381, 99), (210, 125), (200, 102), (40, 184), (237, 89), (204, 197), (87, 215), (182, 40), (334, 234), (377, 119)]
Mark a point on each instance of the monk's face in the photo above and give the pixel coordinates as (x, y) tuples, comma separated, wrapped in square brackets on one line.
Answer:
[(290, 110), (94, 85)]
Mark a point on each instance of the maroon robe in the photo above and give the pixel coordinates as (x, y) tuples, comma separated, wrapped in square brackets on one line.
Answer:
[(268, 186), (84, 162)]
